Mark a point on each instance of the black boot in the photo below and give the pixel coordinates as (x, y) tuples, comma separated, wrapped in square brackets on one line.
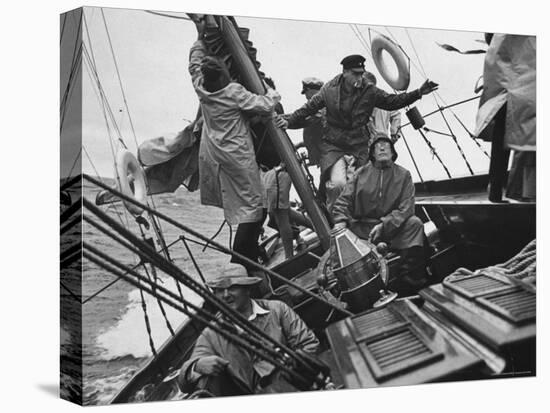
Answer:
[(411, 276)]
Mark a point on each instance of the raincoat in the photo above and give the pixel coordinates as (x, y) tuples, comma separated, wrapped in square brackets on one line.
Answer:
[(279, 322), (229, 175), (509, 77), (386, 195), (347, 117)]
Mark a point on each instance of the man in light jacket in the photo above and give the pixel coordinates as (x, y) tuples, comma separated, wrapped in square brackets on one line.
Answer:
[(232, 370), (229, 175)]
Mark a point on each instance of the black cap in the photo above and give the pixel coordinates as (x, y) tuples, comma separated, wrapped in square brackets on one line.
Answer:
[(382, 137), (354, 61)]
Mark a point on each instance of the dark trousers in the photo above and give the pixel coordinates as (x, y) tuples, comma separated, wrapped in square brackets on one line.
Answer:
[(246, 241)]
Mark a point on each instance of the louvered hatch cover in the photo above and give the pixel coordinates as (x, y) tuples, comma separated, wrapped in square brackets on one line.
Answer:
[(390, 344), (374, 323), (476, 285), (398, 352), (516, 305)]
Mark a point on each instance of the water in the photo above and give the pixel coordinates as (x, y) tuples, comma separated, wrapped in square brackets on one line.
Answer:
[(115, 343)]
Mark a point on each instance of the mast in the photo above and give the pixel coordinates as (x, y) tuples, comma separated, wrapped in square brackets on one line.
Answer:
[(253, 82)]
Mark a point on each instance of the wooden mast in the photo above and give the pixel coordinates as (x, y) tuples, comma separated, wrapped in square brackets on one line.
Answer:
[(252, 81)]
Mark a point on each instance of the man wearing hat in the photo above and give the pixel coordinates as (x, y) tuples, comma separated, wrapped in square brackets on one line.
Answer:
[(349, 100), (313, 125), (378, 204), (229, 366)]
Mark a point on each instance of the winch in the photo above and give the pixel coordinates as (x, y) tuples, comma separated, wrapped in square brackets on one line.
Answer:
[(358, 269)]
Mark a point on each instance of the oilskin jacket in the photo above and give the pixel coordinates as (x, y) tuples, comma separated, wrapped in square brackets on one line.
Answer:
[(229, 175), (279, 322), (347, 117), (375, 195)]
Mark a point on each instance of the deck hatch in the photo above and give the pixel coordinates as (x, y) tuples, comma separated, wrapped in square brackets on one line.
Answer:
[(391, 354), (516, 305), (374, 323), (476, 285)]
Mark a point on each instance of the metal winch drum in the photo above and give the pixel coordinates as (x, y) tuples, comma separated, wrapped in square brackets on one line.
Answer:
[(361, 271)]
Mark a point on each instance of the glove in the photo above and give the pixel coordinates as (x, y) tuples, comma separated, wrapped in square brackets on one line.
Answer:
[(428, 87)]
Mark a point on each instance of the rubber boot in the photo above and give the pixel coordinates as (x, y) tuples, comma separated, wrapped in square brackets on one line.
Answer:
[(411, 276)]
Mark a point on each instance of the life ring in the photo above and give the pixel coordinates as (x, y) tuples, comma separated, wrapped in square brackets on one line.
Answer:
[(380, 43), (131, 180)]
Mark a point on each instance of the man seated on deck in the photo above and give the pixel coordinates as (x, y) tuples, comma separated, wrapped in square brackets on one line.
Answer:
[(224, 363), (378, 204)]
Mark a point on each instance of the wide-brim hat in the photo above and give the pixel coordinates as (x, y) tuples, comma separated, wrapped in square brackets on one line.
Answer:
[(378, 139), (233, 274)]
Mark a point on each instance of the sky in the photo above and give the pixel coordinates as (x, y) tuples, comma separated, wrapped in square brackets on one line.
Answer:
[(152, 51)]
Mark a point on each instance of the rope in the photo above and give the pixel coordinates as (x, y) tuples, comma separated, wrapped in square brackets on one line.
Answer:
[(99, 177), (111, 283), (70, 292), (416, 53), (161, 307), (119, 79), (241, 340), (434, 152), (147, 322), (520, 266), (457, 144), (412, 157), (254, 334), (182, 238), (63, 28), (69, 89), (211, 239), (217, 245), (147, 253)]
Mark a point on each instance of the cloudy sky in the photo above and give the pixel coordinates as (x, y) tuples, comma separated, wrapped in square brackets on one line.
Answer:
[(152, 51)]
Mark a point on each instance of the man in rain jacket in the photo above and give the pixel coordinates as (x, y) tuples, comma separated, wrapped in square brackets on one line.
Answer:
[(231, 369), (229, 175), (378, 204), (349, 100)]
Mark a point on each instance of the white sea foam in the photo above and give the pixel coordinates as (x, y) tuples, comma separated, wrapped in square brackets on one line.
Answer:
[(128, 337)]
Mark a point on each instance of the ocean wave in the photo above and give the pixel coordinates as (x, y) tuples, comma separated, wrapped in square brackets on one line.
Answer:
[(128, 336)]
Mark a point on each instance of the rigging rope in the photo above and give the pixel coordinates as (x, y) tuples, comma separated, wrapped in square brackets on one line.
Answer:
[(241, 257), (147, 322), (119, 79), (70, 292), (228, 312), (144, 250), (69, 89), (411, 156), (184, 240), (99, 177), (69, 176), (111, 283), (457, 144), (227, 330), (161, 307)]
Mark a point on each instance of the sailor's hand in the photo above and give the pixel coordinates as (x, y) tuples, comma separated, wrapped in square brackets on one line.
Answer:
[(376, 232), (395, 137), (340, 225), (280, 122), (428, 87), (200, 23), (211, 365)]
